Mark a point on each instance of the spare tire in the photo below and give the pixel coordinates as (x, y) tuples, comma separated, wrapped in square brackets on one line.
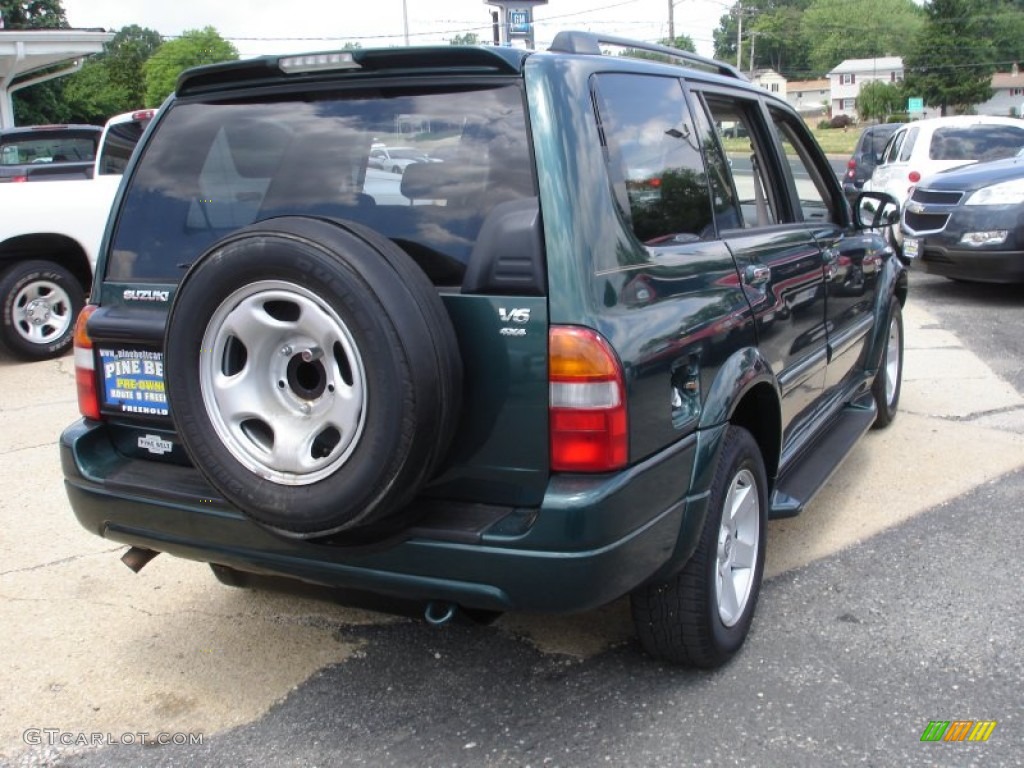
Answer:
[(313, 374)]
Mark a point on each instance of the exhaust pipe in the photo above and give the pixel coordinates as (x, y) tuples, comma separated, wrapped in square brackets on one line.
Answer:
[(137, 557), (440, 612)]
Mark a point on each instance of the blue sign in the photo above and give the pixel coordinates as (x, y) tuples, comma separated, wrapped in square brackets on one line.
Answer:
[(133, 381), (915, 105), (518, 21)]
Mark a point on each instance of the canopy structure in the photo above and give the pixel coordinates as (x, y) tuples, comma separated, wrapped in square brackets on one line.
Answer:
[(28, 57)]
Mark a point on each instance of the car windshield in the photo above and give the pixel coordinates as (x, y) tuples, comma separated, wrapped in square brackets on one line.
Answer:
[(976, 142), (220, 166)]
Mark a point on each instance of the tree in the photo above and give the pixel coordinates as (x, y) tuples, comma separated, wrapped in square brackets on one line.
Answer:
[(681, 42), (835, 30), (951, 61), (113, 81), (33, 14), (877, 100), (193, 48), (468, 38)]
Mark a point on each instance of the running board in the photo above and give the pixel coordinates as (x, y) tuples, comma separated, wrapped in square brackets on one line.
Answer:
[(809, 473)]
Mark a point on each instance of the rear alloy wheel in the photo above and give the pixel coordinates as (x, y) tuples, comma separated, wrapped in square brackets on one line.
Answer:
[(889, 379), (41, 301), (701, 616), (313, 375)]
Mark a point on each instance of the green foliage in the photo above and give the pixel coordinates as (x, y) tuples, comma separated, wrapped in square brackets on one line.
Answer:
[(193, 48), (834, 30), (469, 38), (681, 42), (113, 81), (951, 60), (877, 100), (33, 14)]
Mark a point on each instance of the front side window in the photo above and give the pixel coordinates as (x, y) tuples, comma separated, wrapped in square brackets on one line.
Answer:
[(805, 174), (654, 158), (214, 167)]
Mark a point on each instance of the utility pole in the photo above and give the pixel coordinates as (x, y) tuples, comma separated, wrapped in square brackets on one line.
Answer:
[(739, 35), (671, 23), (405, 21), (753, 39)]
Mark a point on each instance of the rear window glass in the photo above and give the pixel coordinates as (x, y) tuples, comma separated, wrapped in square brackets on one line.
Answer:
[(212, 168), (26, 149), (120, 142), (976, 142)]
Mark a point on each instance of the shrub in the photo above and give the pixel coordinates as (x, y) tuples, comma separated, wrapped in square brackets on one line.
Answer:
[(841, 121)]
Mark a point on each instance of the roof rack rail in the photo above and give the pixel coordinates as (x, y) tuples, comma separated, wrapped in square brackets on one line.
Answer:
[(590, 43)]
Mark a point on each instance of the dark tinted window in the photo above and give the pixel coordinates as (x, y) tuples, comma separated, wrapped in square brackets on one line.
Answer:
[(47, 147), (120, 142), (976, 142), (654, 158), (212, 168)]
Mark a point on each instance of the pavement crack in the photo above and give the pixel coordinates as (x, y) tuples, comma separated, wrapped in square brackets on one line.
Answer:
[(61, 561)]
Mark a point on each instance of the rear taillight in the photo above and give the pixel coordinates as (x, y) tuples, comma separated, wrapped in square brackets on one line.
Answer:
[(913, 177), (588, 422), (19, 178), (85, 367)]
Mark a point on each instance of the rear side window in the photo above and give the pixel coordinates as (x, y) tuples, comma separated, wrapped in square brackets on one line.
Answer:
[(211, 168), (654, 158)]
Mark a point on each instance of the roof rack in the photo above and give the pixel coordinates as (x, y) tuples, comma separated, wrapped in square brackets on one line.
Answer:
[(590, 43)]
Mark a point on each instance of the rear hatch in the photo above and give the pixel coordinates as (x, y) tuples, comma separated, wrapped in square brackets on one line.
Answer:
[(218, 162)]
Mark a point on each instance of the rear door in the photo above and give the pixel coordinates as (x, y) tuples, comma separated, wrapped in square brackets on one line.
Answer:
[(777, 255)]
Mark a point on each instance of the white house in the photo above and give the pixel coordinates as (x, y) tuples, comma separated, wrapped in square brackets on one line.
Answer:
[(1007, 95), (770, 80), (808, 97), (848, 78)]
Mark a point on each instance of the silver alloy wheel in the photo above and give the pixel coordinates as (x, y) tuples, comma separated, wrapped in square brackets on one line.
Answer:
[(42, 312), (892, 361), (738, 541), (283, 382)]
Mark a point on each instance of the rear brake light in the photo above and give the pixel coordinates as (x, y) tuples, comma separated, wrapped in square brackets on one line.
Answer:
[(19, 178), (143, 114), (588, 421), (914, 177), (85, 367)]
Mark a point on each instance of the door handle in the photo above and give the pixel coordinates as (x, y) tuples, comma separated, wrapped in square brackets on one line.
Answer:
[(757, 274)]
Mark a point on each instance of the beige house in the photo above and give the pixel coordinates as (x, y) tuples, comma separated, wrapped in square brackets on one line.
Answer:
[(770, 80), (808, 97)]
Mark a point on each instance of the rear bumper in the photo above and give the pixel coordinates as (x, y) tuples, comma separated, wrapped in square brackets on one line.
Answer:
[(592, 540)]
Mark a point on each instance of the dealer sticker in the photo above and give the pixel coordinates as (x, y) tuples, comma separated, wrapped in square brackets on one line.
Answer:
[(133, 381)]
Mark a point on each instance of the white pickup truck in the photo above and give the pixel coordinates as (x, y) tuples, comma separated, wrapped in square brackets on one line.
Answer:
[(49, 237)]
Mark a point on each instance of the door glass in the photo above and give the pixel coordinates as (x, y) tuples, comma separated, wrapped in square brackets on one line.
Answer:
[(812, 192)]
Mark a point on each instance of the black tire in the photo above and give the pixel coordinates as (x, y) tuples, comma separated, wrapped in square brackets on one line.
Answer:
[(889, 379), (41, 303), (231, 577), (396, 169), (681, 620), (339, 441)]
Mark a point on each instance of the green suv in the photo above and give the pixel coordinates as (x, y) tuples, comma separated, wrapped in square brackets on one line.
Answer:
[(623, 318)]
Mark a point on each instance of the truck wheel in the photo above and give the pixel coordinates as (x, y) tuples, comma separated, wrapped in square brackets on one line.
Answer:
[(701, 616), (889, 379), (41, 301), (313, 375)]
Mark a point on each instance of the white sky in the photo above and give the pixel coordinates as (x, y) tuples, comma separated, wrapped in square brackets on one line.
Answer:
[(275, 26)]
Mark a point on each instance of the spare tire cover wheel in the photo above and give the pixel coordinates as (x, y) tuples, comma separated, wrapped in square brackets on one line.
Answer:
[(313, 374)]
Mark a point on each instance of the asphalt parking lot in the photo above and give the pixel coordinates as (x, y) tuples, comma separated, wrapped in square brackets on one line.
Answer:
[(890, 603)]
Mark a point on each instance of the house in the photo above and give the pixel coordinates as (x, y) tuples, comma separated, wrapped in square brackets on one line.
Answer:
[(808, 97), (770, 80), (848, 78), (1007, 95)]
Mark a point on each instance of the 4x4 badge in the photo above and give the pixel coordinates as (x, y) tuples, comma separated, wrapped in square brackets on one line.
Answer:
[(521, 315)]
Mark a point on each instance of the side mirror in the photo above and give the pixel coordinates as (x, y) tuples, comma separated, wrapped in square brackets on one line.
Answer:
[(875, 210)]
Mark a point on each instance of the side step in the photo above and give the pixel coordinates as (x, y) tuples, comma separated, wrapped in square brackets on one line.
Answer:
[(809, 472)]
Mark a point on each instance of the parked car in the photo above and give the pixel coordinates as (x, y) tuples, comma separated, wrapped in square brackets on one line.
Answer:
[(866, 155), (968, 223), (48, 152), (396, 159), (918, 150), (49, 237), (514, 385)]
